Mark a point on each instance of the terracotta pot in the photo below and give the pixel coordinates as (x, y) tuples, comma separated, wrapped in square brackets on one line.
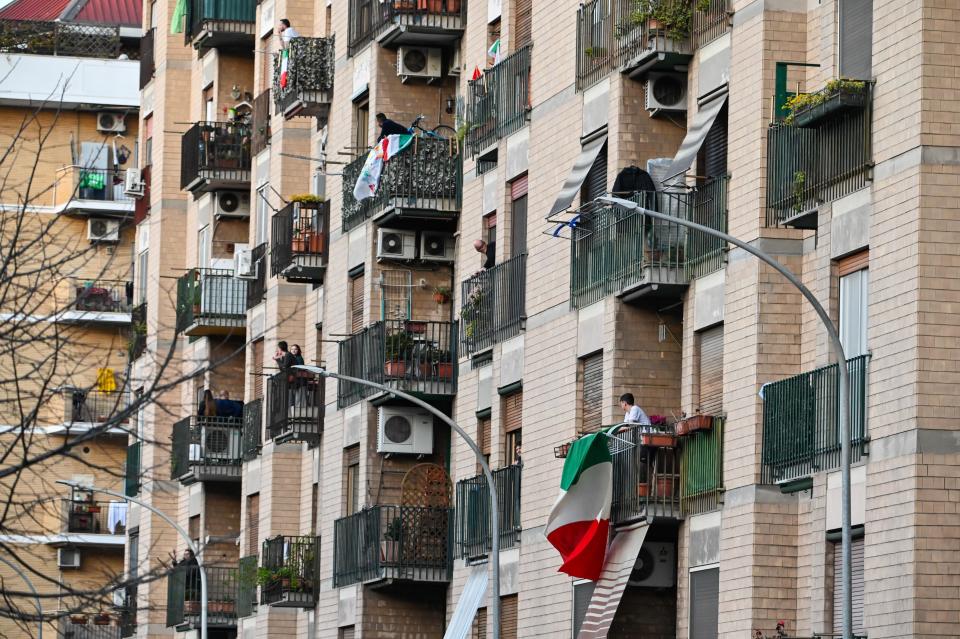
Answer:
[(395, 369), (445, 370)]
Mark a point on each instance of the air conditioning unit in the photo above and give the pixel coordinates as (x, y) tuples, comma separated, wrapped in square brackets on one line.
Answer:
[(100, 230), (404, 429), (436, 247), (419, 62), (243, 265), (655, 566), (133, 183), (108, 122), (222, 442), (666, 92), (68, 558), (396, 245), (233, 204)]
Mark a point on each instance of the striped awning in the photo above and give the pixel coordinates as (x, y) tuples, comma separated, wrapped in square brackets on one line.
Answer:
[(621, 557), (571, 187), (470, 599), (696, 134)]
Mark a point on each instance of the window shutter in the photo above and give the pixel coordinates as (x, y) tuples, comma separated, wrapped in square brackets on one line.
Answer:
[(856, 39), (856, 552), (513, 412), (715, 147), (258, 369), (508, 617), (704, 603), (582, 593), (479, 630), (595, 184), (711, 370), (524, 23), (591, 392), (356, 304), (253, 524)]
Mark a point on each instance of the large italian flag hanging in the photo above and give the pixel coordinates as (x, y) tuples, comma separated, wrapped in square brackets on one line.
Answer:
[(579, 523), (284, 67)]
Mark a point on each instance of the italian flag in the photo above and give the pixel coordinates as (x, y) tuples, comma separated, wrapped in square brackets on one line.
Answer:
[(284, 66), (369, 178), (579, 524)]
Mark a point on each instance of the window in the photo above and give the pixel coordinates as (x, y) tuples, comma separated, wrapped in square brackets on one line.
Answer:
[(854, 285), (856, 566), (591, 393), (512, 423), (710, 370), (263, 214), (258, 369), (595, 184), (253, 524), (518, 216), (148, 140), (483, 440), (356, 303), (508, 617), (203, 247), (361, 131), (351, 465), (856, 39), (524, 23), (704, 603), (143, 261)]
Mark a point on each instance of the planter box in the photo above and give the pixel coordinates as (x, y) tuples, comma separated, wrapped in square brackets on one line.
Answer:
[(658, 440), (837, 103), (693, 424)]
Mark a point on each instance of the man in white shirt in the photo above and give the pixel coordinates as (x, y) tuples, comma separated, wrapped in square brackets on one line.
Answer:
[(287, 33), (632, 414)]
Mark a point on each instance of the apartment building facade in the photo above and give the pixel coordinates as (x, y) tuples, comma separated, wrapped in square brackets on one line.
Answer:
[(819, 132)]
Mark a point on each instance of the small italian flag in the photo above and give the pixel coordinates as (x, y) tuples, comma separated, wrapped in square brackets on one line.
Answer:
[(284, 66), (579, 524)]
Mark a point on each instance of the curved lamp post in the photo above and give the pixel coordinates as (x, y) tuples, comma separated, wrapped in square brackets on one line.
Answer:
[(494, 515), (183, 533), (837, 346), (36, 595)]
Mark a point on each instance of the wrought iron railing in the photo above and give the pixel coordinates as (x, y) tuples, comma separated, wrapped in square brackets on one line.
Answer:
[(94, 406), (90, 184), (295, 406), (291, 571), (411, 355), (138, 326), (494, 304), (498, 102), (213, 443), (131, 479), (216, 152), (426, 176), (59, 38), (801, 421), (237, 17), (257, 285), (646, 475), (369, 17), (208, 296), (307, 86), (260, 132), (148, 63), (105, 296), (820, 162), (92, 626), (701, 470), (473, 512), (96, 517), (300, 241), (706, 254), (183, 596), (252, 429), (711, 22), (400, 542), (247, 586)]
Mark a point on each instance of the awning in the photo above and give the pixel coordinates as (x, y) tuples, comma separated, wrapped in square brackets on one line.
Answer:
[(571, 188), (696, 134), (470, 599), (621, 557)]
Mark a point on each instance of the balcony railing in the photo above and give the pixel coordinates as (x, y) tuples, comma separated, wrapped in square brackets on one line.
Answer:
[(207, 449), (646, 476), (91, 189), (131, 479), (473, 512), (307, 87), (822, 155), (214, 23), (710, 23), (290, 576), (260, 132), (416, 21), (410, 543), (147, 60), (295, 407), (210, 302), (411, 355), (257, 286), (494, 304), (215, 155), (498, 102), (59, 38), (300, 242), (247, 586), (252, 429), (96, 517), (102, 296), (183, 596), (801, 421), (91, 628), (424, 181), (95, 407), (701, 470)]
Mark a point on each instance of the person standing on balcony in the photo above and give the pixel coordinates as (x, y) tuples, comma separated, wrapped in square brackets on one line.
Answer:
[(287, 33), (389, 127), (632, 414)]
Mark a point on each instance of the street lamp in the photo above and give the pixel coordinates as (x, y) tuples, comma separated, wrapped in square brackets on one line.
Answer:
[(494, 516), (36, 596), (183, 533), (836, 344)]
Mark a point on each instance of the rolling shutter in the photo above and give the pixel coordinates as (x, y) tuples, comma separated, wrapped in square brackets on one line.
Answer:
[(258, 369), (253, 524), (508, 617), (591, 392), (856, 39), (856, 552), (356, 304), (595, 184), (711, 371), (704, 603), (524, 23), (582, 594), (513, 412)]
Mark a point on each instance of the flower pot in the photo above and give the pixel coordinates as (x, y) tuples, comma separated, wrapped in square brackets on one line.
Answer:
[(658, 440), (389, 551), (445, 370), (395, 369)]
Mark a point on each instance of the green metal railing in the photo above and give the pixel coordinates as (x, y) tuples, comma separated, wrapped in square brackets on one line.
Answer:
[(473, 536), (183, 596), (212, 297), (131, 480), (247, 586), (252, 429), (498, 102), (308, 86), (701, 470), (494, 304), (801, 421), (293, 564)]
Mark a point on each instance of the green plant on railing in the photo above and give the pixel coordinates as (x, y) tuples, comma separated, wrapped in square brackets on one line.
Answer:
[(671, 16), (799, 180), (397, 346), (803, 101)]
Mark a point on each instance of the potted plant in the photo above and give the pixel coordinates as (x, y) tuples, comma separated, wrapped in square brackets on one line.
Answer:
[(441, 294), (390, 546), (397, 348)]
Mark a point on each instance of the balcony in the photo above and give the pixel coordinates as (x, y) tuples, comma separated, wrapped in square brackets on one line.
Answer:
[(260, 115), (421, 184), (252, 429), (473, 512), (82, 406), (211, 302), (820, 152), (147, 60), (801, 422), (207, 449), (408, 543), (307, 88), (494, 305), (59, 39), (300, 241), (91, 626), (295, 407), (96, 192), (220, 23), (701, 470), (98, 302), (215, 155), (646, 475), (498, 102), (415, 356), (431, 23), (131, 477), (290, 574), (183, 597), (257, 286)]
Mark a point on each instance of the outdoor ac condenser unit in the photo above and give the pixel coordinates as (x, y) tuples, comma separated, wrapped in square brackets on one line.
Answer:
[(404, 429)]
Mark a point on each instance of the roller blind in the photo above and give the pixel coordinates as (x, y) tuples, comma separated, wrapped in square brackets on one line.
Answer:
[(513, 412), (711, 370), (591, 392), (856, 39), (508, 617), (856, 552), (704, 603)]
